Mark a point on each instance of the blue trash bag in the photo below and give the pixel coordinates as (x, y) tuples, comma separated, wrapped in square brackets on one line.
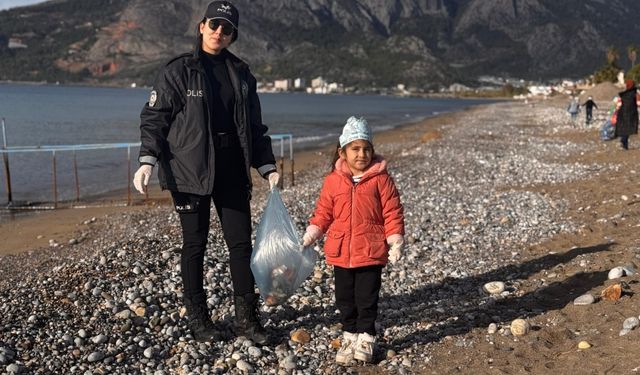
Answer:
[(607, 131), (278, 262)]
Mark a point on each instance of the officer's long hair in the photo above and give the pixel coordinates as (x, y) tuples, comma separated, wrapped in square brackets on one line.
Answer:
[(198, 47)]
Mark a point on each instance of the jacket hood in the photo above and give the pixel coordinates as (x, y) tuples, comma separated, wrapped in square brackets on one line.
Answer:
[(378, 165)]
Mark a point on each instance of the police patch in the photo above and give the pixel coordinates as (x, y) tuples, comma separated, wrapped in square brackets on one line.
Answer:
[(245, 89), (152, 98)]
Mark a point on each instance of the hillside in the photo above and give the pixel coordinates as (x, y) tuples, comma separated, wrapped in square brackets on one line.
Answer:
[(359, 42)]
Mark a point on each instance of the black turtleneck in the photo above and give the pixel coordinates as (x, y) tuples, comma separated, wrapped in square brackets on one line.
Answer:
[(222, 99)]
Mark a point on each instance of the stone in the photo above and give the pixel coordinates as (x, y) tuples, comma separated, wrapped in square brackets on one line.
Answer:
[(612, 293), (99, 339), (585, 299), (520, 327), (615, 273), (629, 270), (584, 345), (494, 287), (631, 323), (623, 332), (244, 366), (13, 369), (95, 357), (301, 336), (492, 329), (140, 311), (335, 343), (254, 352)]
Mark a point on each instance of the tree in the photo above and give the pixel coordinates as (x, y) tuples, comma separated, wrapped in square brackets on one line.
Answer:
[(634, 73), (632, 53), (608, 72)]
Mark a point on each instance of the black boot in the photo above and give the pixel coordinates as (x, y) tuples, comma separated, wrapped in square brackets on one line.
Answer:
[(247, 321), (199, 321)]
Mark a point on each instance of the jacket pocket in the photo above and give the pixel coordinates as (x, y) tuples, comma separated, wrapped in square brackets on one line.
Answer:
[(333, 243), (377, 245)]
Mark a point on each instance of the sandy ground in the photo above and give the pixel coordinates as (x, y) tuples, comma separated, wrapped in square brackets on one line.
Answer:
[(606, 207)]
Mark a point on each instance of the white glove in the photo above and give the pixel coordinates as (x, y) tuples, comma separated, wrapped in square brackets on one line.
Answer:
[(274, 178), (141, 178), (312, 233), (395, 252), (307, 240), (396, 243)]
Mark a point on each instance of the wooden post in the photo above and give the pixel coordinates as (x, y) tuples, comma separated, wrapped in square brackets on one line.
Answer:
[(293, 180), (5, 158), (281, 182), (75, 175), (293, 177), (55, 184)]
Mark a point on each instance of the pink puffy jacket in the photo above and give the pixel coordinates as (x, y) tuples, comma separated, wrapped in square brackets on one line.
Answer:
[(359, 218)]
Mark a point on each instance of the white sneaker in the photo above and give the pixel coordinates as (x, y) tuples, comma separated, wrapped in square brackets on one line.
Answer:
[(345, 353), (364, 347)]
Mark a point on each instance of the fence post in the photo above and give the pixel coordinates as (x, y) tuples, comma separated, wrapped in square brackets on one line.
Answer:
[(293, 180), (55, 184), (5, 158)]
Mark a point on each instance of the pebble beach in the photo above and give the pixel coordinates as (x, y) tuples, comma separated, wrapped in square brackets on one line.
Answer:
[(501, 226)]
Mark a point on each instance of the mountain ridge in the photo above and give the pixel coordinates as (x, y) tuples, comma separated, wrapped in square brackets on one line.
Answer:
[(425, 43)]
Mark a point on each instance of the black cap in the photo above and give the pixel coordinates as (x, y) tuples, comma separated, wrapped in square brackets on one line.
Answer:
[(224, 10)]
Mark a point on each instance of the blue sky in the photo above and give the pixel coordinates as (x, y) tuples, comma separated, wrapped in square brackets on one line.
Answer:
[(6, 4)]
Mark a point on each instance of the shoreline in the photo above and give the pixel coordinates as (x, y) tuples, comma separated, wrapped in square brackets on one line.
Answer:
[(33, 229)]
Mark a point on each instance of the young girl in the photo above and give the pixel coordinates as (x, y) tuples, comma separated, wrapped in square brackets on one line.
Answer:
[(360, 211)]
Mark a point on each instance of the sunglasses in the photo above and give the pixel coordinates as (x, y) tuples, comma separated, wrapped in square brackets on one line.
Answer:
[(214, 23)]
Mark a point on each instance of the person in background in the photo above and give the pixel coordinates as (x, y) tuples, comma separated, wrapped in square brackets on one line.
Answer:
[(589, 105), (360, 211), (573, 108), (627, 113), (203, 128)]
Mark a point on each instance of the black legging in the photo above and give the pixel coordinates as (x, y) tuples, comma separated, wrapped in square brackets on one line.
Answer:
[(231, 200), (357, 294)]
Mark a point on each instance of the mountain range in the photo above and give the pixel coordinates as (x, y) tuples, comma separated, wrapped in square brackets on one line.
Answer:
[(420, 43)]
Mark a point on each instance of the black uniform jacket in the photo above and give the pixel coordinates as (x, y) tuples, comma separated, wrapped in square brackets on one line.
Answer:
[(175, 128)]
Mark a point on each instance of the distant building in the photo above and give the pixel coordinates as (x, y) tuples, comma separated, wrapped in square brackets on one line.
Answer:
[(15, 43), (299, 83), (318, 82), (457, 87), (282, 85), (540, 90)]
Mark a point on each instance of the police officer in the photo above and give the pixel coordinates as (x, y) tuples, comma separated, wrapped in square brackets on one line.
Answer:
[(203, 128)]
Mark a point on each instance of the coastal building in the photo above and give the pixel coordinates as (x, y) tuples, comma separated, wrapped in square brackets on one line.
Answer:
[(282, 85), (318, 82), (16, 43), (458, 87), (299, 83)]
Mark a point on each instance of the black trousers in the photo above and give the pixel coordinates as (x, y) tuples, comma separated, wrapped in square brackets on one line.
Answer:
[(589, 114), (624, 141), (357, 295), (230, 197)]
